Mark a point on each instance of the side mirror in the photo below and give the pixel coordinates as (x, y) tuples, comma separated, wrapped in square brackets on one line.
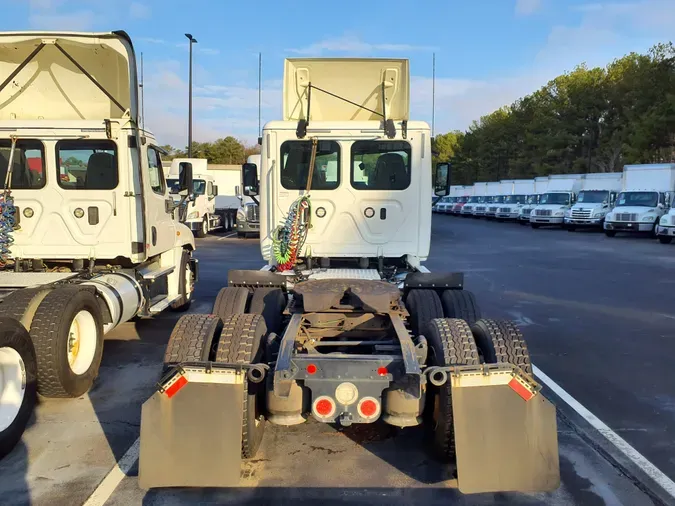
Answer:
[(215, 190), (185, 183), (250, 179), (442, 184)]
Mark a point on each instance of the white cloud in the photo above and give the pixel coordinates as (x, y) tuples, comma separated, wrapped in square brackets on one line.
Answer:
[(138, 10), (527, 7), (354, 45)]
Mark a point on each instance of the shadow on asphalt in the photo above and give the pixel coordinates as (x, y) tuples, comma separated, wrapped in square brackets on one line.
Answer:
[(14, 488)]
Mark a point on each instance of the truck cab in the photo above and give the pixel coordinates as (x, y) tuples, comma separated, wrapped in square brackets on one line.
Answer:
[(201, 216), (248, 214)]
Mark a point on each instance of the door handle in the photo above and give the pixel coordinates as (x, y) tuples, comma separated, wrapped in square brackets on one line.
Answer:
[(383, 213)]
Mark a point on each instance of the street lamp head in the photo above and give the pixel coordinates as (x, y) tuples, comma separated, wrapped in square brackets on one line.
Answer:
[(191, 38)]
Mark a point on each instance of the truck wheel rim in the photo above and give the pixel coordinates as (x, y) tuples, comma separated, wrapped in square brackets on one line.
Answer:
[(82, 340), (12, 385), (205, 227)]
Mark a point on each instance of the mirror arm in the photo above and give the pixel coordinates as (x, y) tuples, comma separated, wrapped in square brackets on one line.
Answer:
[(254, 199)]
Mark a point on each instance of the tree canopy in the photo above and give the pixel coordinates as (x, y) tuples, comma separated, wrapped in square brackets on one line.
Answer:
[(226, 151), (586, 120)]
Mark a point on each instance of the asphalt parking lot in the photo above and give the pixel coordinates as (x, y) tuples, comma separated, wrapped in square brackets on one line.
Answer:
[(598, 316)]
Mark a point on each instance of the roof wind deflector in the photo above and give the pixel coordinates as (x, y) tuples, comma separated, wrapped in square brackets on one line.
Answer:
[(303, 123)]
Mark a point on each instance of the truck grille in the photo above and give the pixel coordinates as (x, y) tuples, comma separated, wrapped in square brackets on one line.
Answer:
[(672, 220), (504, 210), (542, 212), (480, 208), (493, 209), (526, 210), (625, 217), (252, 213), (581, 213)]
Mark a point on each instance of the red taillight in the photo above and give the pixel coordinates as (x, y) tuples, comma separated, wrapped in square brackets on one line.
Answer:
[(369, 408), (311, 369), (176, 386), (382, 371), (324, 407)]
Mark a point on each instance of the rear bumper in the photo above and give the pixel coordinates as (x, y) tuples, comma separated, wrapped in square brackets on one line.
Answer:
[(624, 226)]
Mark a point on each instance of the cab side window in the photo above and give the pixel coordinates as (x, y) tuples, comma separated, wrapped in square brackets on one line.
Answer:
[(155, 172)]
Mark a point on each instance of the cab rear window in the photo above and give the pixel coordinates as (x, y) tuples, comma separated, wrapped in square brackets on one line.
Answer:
[(87, 164), (28, 164), (295, 160), (380, 165)]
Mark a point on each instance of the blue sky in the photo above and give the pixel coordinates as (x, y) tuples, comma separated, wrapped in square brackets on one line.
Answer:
[(488, 52)]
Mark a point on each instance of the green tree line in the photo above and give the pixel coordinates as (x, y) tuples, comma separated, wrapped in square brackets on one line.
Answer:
[(587, 120), (223, 151)]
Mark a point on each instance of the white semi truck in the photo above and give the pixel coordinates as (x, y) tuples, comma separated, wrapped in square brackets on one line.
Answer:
[(478, 197), (89, 236), (645, 197), (491, 191), (540, 187), (596, 198), (344, 324), (203, 213), (560, 196), (248, 214), (521, 191), (503, 190)]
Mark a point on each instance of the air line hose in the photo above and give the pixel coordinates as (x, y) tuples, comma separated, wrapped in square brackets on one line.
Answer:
[(289, 237), (7, 212)]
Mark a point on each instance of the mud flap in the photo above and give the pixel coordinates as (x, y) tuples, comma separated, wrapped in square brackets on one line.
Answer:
[(505, 432), (191, 431)]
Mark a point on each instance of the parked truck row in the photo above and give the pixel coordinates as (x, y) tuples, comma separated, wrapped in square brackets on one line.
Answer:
[(638, 199)]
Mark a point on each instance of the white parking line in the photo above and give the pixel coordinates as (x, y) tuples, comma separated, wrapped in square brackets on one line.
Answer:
[(621, 444), (115, 476), (231, 234)]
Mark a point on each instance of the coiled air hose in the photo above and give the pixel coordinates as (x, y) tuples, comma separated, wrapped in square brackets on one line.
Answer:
[(289, 237), (7, 212)]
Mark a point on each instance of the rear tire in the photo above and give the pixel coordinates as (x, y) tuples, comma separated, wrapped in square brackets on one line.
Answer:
[(610, 233), (663, 239), (450, 343), (18, 383), (460, 304), (423, 306), (241, 343), (67, 332), (270, 303), (192, 339), (185, 284), (231, 301), (501, 342), (22, 304)]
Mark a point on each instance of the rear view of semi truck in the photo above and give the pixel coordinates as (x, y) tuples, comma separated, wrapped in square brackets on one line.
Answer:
[(344, 324)]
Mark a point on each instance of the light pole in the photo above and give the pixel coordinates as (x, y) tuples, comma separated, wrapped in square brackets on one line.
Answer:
[(192, 41)]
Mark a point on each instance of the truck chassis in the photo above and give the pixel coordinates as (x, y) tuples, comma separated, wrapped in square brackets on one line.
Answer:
[(346, 347)]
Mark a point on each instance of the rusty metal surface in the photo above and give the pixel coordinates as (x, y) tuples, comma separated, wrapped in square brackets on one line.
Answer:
[(503, 442), (192, 439), (366, 295)]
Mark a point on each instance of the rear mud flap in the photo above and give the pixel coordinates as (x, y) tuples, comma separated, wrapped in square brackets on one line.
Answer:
[(191, 431), (505, 433)]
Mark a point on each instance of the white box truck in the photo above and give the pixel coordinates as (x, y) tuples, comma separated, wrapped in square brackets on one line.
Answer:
[(559, 197), (350, 328), (540, 187), (644, 198), (491, 190), (503, 190), (463, 198), (596, 198), (205, 213), (510, 208), (478, 197), (89, 238)]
